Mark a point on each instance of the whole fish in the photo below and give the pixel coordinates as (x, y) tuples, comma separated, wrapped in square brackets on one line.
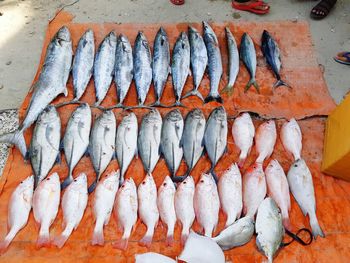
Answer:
[(248, 56), (230, 192), (301, 185), (161, 64), (148, 210), (83, 63), (46, 200), (45, 144), (142, 67), (74, 202), (170, 142), (76, 139), (265, 140), (152, 257), (243, 132), (148, 140), (166, 207), (19, 208), (237, 234), (254, 189), (192, 138), (198, 59), (269, 228), (104, 66), (278, 189), (125, 211), (126, 143), (103, 205), (52, 82), (184, 206), (180, 65), (124, 67), (214, 63), (102, 144), (272, 55), (233, 61), (215, 136), (207, 204), (291, 137)]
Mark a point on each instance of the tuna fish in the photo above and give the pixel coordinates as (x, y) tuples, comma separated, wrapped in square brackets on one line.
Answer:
[(291, 137), (265, 140)]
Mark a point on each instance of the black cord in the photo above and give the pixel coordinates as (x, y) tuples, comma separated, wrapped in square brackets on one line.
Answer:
[(295, 237)]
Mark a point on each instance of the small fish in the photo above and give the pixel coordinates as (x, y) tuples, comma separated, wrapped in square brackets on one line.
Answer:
[(152, 257), (291, 137), (272, 55), (265, 140)]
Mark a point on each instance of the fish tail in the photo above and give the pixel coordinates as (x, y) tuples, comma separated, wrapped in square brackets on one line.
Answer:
[(169, 242), (16, 138), (184, 235), (241, 161), (315, 227), (279, 83), (230, 220), (286, 223), (177, 104), (92, 187), (121, 244), (250, 83), (216, 98), (146, 241), (60, 240), (215, 177), (194, 92), (67, 181), (97, 237), (228, 89), (43, 238), (178, 178), (7, 240)]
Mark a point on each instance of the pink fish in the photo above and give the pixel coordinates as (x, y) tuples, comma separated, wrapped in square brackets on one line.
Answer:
[(265, 140), (291, 137)]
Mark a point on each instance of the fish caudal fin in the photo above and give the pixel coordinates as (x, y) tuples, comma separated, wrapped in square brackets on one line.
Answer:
[(169, 241), (16, 138), (216, 98), (98, 238), (66, 182), (184, 236), (121, 244), (7, 240), (280, 83), (92, 187), (286, 223), (194, 92), (315, 227), (228, 89), (43, 239), (242, 158), (146, 241), (60, 240), (250, 83)]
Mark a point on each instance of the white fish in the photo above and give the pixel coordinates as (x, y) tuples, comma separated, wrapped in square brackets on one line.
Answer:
[(291, 137), (265, 140), (152, 257)]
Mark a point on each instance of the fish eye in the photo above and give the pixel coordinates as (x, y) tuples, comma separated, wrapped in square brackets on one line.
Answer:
[(48, 179), (202, 181), (21, 182), (143, 182), (295, 165), (184, 182), (75, 180), (164, 184), (123, 186)]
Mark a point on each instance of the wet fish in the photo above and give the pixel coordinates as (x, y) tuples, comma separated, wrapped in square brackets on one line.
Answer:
[(19, 208), (103, 205), (152, 257), (76, 139), (198, 59), (46, 200), (74, 202), (269, 228), (124, 67), (142, 67), (104, 66), (102, 144), (148, 210), (265, 140), (301, 185), (180, 65), (272, 55), (248, 56), (83, 63), (52, 82), (149, 138), (214, 63), (291, 137)]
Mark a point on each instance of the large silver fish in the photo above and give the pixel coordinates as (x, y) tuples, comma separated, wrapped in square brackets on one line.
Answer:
[(52, 82)]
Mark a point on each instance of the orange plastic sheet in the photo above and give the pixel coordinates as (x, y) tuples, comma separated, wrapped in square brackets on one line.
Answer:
[(309, 97)]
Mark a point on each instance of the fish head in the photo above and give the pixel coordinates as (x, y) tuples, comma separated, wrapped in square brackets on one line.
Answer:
[(124, 42), (111, 181), (52, 181), (167, 185), (129, 117), (255, 168), (27, 185), (269, 125), (219, 113), (107, 118), (89, 36), (147, 183), (153, 116), (299, 164), (48, 115), (141, 38), (206, 181), (162, 36), (79, 183), (81, 112), (128, 186), (196, 114), (274, 167), (192, 30), (234, 170), (63, 34), (265, 36), (174, 115), (246, 41), (111, 38), (187, 184)]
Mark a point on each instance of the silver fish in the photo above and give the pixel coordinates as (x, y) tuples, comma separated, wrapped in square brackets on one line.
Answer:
[(104, 66)]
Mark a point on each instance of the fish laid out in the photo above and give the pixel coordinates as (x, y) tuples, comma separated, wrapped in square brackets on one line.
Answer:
[(265, 140), (291, 137)]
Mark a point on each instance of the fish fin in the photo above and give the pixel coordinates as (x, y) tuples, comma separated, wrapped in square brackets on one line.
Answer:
[(228, 90), (4, 245), (136, 152), (216, 98), (43, 240), (286, 223), (177, 103), (87, 152), (215, 177), (98, 238), (27, 156), (178, 179), (280, 83), (169, 70), (60, 240), (92, 187), (61, 147), (241, 160), (184, 237), (58, 159), (16, 138), (65, 91), (193, 92), (66, 182), (250, 83), (315, 227), (146, 241), (121, 244), (169, 241), (189, 72)]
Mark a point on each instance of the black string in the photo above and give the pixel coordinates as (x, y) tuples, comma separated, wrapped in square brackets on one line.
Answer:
[(295, 237)]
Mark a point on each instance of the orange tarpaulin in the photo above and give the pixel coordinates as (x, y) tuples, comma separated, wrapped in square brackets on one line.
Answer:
[(308, 97)]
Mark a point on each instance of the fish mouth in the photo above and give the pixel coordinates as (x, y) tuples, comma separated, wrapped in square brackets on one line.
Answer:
[(63, 34), (122, 38), (197, 114), (162, 31), (192, 29), (174, 115)]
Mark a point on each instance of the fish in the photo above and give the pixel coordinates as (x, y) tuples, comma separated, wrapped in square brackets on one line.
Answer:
[(51, 83), (214, 63), (19, 208), (124, 67), (104, 66), (184, 208), (76, 139), (83, 63), (102, 144), (152, 257), (291, 138), (233, 62), (160, 64), (207, 204), (148, 210), (46, 200), (193, 138), (254, 189), (125, 211), (272, 55), (247, 54), (166, 208), (45, 143), (301, 185), (265, 140), (106, 191), (126, 145), (215, 136), (269, 228), (142, 60), (230, 193), (243, 132), (180, 65), (148, 141), (278, 190), (198, 61), (170, 141), (74, 202)]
